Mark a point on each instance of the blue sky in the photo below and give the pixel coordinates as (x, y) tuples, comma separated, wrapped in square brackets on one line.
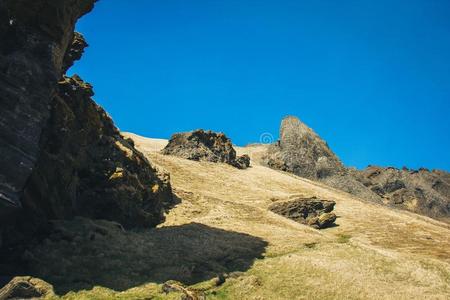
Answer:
[(371, 77)]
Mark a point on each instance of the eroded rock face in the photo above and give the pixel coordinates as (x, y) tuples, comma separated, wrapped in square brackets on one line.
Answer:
[(35, 36), (309, 211), (302, 152), (61, 155), (422, 191), (201, 145), (87, 168)]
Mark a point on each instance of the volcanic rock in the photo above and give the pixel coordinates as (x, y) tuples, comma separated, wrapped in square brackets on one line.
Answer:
[(309, 211), (61, 154), (87, 168), (242, 162), (302, 152), (35, 36), (422, 191), (201, 145)]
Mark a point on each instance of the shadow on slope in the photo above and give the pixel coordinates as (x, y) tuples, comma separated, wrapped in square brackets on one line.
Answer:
[(82, 253)]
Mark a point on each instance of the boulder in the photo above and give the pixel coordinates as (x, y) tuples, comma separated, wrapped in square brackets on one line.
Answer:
[(309, 211), (323, 221), (201, 145), (242, 162)]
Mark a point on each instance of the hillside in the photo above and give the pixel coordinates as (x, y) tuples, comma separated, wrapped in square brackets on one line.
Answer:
[(375, 252), (220, 241), (88, 212)]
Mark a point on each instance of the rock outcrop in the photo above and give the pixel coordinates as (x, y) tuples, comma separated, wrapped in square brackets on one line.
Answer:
[(422, 191), (304, 153), (87, 168), (201, 145), (309, 211), (61, 154)]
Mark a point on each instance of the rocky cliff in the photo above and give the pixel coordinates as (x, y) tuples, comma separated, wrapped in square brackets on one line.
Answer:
[(62, 155), (302, 152), (35, 37)]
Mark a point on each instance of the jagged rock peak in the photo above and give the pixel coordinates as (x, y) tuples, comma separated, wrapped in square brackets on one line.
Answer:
[(301, 151), (201, 145), (294, 132)]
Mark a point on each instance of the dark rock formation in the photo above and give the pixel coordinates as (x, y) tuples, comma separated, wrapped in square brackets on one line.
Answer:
[(302, 152), (423, 191), (86, 168), (35, 36), (203, 145), (309, 211), (242, 162), (61, 155)]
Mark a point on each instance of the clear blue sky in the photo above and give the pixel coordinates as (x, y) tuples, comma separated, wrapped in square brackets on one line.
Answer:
[(371, 77)]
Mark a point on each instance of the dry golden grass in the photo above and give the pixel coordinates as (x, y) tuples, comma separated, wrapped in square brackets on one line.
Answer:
[(375, 252)]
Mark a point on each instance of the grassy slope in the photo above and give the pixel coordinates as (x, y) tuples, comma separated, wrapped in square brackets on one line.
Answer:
[(374, 253)]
